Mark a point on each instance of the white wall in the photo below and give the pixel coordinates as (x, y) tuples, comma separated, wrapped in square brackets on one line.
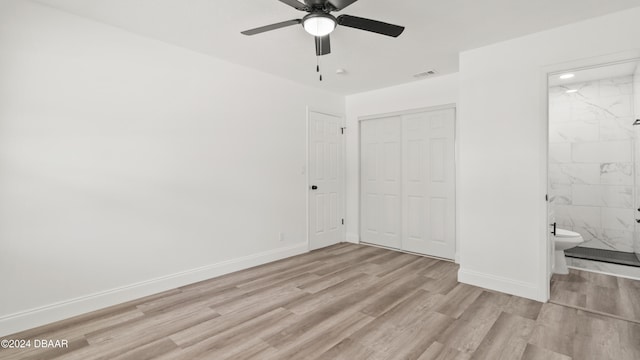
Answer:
[(502, 126), (419, 94), (129, 166)]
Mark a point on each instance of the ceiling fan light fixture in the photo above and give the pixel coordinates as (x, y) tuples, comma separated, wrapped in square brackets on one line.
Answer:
[(319, 24)]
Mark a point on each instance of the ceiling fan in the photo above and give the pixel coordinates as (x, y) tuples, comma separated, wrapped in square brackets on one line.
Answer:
[(320, 23)]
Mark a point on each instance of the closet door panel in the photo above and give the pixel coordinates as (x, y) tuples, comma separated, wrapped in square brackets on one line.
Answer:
[(435, 185), (370, 204), (414, 164), (381, 201), (407, 182)]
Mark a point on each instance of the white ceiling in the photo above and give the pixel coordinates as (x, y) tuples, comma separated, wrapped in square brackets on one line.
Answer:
[(436, 31)]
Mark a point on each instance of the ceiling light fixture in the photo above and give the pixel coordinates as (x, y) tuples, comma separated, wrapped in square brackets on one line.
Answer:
[(566, 76), (319, 24), (571, 91)]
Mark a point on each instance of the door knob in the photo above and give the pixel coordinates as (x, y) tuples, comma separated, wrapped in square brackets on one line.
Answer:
[(314, 187)]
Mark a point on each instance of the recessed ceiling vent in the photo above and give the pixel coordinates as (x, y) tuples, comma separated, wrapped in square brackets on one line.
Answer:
[(424, 74)]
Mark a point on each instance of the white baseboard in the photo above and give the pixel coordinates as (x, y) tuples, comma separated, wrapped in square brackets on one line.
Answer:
[(24, 320), (497, 283), (352, 238)]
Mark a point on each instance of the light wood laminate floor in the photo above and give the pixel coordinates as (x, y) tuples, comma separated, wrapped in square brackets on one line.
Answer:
[(599, 293), (342, 302)]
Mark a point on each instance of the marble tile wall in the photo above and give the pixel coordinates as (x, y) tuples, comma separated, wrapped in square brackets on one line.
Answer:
[(591, 161)]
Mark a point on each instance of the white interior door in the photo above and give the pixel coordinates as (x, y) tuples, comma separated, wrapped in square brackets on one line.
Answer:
[(381, 185), (407, 172), (326, 187), (429, 183)]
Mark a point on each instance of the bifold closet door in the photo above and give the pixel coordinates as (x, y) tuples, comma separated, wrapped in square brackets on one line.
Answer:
[(408, 182), (381, 183)]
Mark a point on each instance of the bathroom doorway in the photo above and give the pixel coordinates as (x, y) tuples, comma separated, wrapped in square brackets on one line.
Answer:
[(594, 165)]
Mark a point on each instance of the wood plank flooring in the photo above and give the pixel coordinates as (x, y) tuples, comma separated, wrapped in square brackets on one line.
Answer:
[(599, 293), (342, 302)]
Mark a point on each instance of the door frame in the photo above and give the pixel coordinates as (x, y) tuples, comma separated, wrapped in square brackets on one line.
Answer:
[(546, 246), (455, 165), (342, 164)]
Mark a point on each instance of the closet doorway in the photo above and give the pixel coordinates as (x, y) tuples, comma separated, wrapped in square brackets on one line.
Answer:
[(407, 181)]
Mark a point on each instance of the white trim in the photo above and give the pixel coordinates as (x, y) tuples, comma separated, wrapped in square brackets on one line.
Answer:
[(596, 62), (456, 159), (502, 284), (353, 238), (545, 251), (308, 184), (13, 323), (408, 112)]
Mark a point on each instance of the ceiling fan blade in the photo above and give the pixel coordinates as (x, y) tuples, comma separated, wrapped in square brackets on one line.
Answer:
[(279, 25), (370, 25), (340, 4), (323, 45), (296, 5)]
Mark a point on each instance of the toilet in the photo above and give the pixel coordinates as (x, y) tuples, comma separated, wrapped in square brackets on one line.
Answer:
[(563, 240)]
